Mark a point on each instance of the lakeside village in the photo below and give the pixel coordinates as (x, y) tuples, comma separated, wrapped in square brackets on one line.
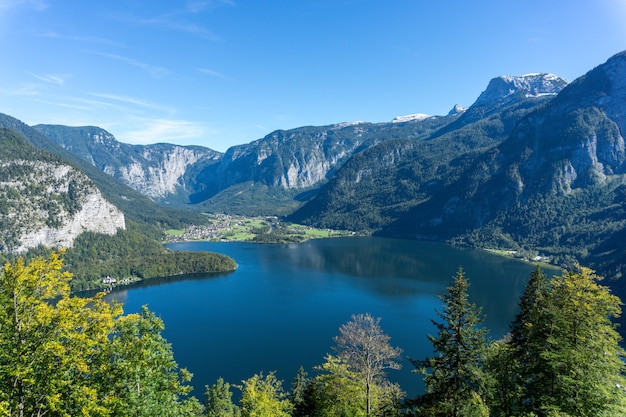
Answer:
[(269, 229), (231, 228)]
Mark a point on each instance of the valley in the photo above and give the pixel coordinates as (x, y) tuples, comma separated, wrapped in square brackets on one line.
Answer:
[(235, 228)]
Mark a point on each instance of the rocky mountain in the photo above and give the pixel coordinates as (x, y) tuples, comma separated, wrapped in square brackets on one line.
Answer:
[(135, 206), (545, 175), (275, 174), (384, 182), (163, 172), (46, 202)]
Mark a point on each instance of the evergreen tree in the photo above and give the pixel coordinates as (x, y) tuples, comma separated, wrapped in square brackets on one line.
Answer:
[(574, 365), (526, 382), (455, 379), (219, 401), (298, 390)]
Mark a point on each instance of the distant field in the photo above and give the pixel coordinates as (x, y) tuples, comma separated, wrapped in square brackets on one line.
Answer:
[(240, 228)]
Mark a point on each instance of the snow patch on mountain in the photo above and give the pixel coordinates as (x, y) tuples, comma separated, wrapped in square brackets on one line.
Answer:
[(411, 118), (508, 88)]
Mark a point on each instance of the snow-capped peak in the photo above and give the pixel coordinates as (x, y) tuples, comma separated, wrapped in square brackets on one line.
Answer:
[(507, 87), (411, 118)]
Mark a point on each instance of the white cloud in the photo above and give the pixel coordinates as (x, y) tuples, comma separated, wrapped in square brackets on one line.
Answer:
[(133, 101), (37, 5), (50, 78), (164, 130), (154, 71)]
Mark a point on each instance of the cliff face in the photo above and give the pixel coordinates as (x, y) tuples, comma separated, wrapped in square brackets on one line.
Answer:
[(163, 172), (44, 201)]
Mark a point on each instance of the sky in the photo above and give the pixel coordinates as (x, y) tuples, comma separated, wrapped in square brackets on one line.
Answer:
[(219, 73)]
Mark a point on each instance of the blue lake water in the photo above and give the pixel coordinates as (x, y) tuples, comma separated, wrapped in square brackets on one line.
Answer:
[(284, 304)]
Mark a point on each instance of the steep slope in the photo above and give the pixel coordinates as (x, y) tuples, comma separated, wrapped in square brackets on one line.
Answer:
[(272, 175), (159, 171), (555, 185), (375, 188), (46, 202), (134, 205)]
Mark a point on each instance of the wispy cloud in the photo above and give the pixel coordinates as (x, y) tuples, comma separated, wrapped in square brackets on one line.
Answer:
[(84, 39), (164, 130), (169, 23), (133, 101), (213, 73), (50, 78), (154, 71), (37, 5), (198, 6)]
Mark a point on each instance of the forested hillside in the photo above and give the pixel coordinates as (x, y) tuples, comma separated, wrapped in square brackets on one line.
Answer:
[(47, 203), (539, 176)]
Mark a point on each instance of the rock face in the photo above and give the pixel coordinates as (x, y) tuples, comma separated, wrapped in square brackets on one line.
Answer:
[(95, 215), (163, 172), (46, 202), (506, 89)]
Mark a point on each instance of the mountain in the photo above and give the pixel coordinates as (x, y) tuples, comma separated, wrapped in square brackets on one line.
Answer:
[(135, 206), (275, 174), (163, 172), (46, 202), (381, 184), (540, 171)]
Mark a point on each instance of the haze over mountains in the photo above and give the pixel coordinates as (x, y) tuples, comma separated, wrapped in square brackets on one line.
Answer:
[(534, 165)]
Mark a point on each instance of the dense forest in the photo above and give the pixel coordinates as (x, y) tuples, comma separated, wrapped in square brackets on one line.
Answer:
[(63, 355)]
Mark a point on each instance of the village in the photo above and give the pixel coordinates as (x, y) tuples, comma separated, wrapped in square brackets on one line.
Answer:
[(269, 229)]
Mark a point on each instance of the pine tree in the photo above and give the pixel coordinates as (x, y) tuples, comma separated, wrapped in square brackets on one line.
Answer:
[(219, 400), (567, 348), (525, 385), (455, 379)]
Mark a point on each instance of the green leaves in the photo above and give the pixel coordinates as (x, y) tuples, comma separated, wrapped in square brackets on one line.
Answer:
[(68, 356)]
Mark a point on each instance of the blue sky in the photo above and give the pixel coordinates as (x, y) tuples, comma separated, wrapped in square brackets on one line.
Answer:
[(219, 73)]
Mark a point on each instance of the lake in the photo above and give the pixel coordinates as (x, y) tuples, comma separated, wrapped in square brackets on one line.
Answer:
[(284, 304)]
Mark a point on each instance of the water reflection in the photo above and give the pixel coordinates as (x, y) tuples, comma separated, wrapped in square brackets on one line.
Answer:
[(283, 305)]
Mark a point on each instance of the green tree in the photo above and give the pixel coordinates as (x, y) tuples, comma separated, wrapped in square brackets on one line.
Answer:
[(52, 346), (521, 380), (263, 396), (455, 378), (578, 368), (337, 391), (298, 389), (143, 377), (365, 349), (219, 401)]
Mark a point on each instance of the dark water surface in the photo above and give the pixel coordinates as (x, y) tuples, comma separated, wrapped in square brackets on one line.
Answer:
[(284, 304)]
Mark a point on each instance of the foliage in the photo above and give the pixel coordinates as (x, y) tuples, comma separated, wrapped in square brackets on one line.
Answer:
[(219, 401), (455, 378), (51, 344), (66, 356), (143, 378), (263, 396), (566, 348)]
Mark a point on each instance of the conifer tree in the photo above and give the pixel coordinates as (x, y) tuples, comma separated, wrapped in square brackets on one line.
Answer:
[(455, 379), (219, 401), (567, 348)]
